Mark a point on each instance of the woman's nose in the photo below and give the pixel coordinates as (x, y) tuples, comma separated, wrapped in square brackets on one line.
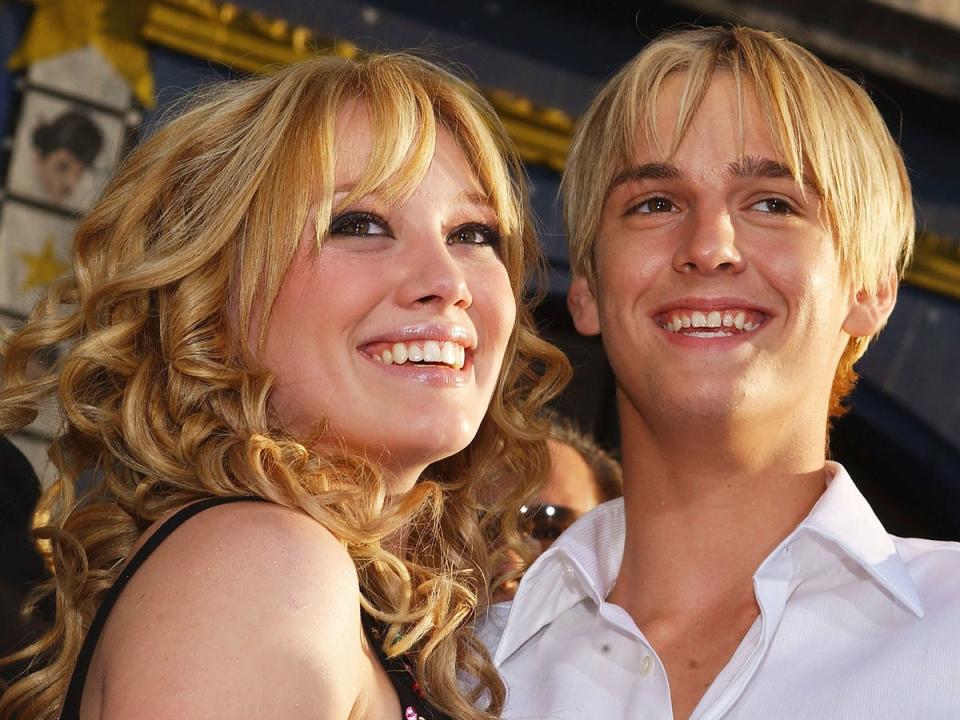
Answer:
[(435, 275)]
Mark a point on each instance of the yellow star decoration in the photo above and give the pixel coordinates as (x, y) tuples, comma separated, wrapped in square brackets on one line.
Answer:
[(111, 26), (43, 267)]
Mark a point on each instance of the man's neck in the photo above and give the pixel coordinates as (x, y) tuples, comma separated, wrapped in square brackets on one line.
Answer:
[(705, 503), (706, 500)]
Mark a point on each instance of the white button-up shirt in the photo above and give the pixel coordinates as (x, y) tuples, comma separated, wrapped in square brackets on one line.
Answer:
[(854, 624)]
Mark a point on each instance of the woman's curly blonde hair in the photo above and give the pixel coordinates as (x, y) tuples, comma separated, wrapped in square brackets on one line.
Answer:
[(160, 401)]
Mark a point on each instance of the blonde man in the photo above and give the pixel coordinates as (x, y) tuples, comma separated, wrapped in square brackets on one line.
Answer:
[(739, 217)]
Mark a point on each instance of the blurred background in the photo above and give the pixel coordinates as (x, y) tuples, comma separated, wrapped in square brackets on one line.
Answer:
[(82, 79)]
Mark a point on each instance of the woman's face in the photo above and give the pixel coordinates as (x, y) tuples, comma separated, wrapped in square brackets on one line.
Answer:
[(395, 331)]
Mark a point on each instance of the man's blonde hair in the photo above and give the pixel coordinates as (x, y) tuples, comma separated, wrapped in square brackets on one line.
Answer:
[(824, 125)]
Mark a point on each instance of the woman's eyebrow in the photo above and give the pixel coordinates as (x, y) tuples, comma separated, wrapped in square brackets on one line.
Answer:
[(465, 197), (468, 197)]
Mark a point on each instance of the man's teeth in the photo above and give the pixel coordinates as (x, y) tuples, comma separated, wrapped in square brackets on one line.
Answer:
[(430, 351), (712, 322)]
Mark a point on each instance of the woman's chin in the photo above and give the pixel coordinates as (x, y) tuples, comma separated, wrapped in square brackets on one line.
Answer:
[(404, 444), (413, 457)]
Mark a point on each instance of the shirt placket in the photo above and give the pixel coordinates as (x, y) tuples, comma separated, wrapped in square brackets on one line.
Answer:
[(648, 695), (773, 583)]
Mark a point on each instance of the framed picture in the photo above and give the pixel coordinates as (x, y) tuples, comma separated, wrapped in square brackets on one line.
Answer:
[(83, 68), (64, 152), (34, 251), (34, 440)]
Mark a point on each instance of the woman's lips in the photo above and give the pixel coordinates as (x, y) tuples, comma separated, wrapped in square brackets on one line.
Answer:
[(444, 353)]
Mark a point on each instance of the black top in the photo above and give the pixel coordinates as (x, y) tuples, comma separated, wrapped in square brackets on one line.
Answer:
[(19, 493), (399, 670)]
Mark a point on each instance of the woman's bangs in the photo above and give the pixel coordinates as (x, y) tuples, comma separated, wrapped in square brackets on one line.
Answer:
[(395, 168)]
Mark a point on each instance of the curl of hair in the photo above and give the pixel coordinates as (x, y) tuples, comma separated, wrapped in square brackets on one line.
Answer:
[(162, 401)]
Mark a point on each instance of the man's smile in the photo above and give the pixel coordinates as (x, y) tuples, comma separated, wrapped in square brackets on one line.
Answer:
[(711, 323)]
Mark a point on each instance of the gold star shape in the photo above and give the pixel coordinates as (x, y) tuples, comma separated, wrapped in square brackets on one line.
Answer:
[(43, 267), (111, 26)]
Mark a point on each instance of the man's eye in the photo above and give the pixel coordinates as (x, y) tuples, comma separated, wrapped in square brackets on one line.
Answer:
[(474, 234), (359, 225), (775, 206), (654, 205)]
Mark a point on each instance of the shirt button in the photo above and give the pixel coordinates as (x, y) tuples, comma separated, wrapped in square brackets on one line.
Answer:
[(646, 665)]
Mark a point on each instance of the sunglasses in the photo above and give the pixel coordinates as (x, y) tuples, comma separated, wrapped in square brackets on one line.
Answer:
[(545, 522)]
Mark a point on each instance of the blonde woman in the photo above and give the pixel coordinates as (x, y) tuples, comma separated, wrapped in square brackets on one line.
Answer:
[(297, 349)]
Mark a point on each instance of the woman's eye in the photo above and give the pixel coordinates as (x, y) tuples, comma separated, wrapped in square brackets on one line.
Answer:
[(655, 205), (359, 225), (474, 234), (775, 206)]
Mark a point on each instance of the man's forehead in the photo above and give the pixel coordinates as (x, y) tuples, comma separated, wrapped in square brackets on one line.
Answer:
[(662, 118)]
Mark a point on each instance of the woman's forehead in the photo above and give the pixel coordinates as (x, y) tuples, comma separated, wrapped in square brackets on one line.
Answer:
[(353, 142), (445, 161)]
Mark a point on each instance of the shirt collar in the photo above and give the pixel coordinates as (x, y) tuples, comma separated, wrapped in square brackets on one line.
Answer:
[(843, 518), (583, 563), (585, 560)]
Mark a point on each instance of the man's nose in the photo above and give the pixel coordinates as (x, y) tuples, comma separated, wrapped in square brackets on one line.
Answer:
[(709, 244)]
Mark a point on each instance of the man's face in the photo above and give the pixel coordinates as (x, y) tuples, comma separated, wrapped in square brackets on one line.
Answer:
[(719, 291)]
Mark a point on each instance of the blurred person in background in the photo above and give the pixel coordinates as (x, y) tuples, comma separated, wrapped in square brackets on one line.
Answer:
[(582, 475)]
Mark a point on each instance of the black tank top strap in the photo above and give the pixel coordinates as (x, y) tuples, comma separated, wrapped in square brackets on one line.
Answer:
[(402, 674), (399, 670), (71, 703)]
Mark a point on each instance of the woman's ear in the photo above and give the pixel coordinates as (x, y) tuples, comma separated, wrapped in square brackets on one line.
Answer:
[(583, 306), (869, 311)]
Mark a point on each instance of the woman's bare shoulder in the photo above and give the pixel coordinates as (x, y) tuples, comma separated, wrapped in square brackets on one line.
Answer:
[(248, 609), (229, 549)]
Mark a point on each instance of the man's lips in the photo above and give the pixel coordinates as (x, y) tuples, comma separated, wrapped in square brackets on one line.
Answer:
[(729, 320), (711, 319)]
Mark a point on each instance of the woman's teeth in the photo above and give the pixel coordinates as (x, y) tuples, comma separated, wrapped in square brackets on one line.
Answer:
[(429, 351), (713, 323)]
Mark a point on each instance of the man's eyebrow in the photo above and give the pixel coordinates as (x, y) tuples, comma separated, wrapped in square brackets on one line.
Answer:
[(647, 171), (751, 166)]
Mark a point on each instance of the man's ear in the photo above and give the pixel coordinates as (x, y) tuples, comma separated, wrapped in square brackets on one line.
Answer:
[(869, 311), (583, 306)]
